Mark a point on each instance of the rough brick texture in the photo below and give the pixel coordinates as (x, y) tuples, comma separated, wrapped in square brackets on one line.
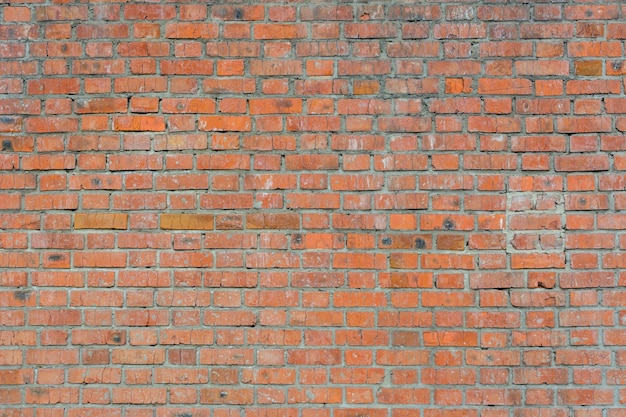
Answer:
[(313, 209)]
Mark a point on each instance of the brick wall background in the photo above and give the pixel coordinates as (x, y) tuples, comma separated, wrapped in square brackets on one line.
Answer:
[(308, 209)]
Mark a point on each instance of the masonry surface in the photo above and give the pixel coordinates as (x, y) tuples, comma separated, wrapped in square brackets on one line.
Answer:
[(309, 209)]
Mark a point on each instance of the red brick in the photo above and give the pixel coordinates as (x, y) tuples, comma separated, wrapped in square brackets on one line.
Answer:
[(518, 86), (176, 30), (583, 124), (575, 163), (546, 30), (592, 87), (139, 123), (491, 124), (594, 49), (104, 105), (370, 30), (459, 30), (225, 123), (411, 50), (189, 105)]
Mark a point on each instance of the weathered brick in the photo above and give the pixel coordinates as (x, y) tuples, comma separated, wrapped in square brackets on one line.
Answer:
[(100, 221), (186, 221)]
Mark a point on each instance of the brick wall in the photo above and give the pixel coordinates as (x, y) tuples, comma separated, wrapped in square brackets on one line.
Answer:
[(308, 209)]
